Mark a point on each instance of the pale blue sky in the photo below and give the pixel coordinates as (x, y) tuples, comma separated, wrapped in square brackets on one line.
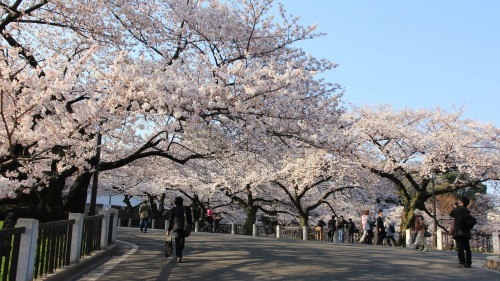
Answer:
[(417, 54)]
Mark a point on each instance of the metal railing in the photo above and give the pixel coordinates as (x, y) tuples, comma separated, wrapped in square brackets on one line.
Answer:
[(291, 232), (480, 242), (224, 228), (91, 236), (10, 240), (53, 246), (266, 231)]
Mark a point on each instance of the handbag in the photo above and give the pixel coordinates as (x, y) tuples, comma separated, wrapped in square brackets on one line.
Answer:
[(144, 215), (427, 234), (168, 247), (187, 226)]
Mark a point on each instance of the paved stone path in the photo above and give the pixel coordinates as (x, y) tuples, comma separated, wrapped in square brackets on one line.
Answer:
[(139, 256)]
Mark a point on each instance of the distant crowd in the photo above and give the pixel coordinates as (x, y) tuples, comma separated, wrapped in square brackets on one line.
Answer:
[(341, 230)]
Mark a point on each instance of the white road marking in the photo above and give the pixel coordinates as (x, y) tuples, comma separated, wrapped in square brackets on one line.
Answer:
[(107, 266)]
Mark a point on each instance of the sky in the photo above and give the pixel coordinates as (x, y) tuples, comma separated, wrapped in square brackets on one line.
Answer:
[(410, 54)]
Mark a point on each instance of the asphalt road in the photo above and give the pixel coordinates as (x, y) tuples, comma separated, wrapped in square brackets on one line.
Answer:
[(207, 256)]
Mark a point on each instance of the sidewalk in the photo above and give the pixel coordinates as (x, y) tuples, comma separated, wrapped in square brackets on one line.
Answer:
[(232, 257)]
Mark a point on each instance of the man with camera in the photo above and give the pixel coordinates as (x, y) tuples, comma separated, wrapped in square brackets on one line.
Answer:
[(461, 236)]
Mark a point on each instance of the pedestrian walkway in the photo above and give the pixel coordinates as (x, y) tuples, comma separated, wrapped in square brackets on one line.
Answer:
[(211, 256)]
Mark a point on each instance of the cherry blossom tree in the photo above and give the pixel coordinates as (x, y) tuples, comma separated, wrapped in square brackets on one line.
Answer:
[(244, 179), (153, 78), (411, 147), (307, 181)]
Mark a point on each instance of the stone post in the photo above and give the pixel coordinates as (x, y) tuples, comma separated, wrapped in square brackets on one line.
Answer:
[(153, 222), (305, 233), (278, 231), (76, 237), (255, 230), (409, 241), (233, 229), (439, 239), (115, 224), (104, 228), (129, 222), (496, 243), (196, 226), (26, 262)]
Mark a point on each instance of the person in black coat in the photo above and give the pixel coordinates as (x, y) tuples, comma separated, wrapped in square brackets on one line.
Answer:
[(332, 227), (461, 236), (176, 224), (380, 227)]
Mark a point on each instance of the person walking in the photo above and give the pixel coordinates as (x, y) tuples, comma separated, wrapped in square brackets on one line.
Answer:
[(350, 230), (319, 230), (390, 230), (420, 228), (144, 210), (462, 236), (178, 215), (332, 227), (380, 227), (341, 229), (209, 218), (366, 223)]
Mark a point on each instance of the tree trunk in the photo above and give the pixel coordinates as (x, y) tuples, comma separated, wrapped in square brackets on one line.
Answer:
[(129, 209), (51, 201), (304, 219), (407, 222), (251, 212), (77, 196)]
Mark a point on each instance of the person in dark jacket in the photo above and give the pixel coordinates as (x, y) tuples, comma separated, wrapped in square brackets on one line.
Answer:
[(176, 225), (380, 227), (332, 227), (319, 230), (350, 231), (461, 236)]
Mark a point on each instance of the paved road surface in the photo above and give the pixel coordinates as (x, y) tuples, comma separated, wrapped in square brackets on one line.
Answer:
[(139, 256)]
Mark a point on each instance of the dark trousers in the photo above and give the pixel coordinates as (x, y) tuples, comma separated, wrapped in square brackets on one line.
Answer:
[(350, 236), (179, 244), (380, 237), (369, 237), (390, 239), (331, 233), (464, 253)]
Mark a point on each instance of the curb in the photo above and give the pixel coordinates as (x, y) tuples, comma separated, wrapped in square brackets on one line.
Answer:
[(84, 264), (493, 262)]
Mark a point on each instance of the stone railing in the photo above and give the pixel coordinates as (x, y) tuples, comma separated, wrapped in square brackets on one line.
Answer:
[(29, 239)]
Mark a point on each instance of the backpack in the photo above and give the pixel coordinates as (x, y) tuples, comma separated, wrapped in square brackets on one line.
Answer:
[(371, 225), (467, 222), (392, 228)]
